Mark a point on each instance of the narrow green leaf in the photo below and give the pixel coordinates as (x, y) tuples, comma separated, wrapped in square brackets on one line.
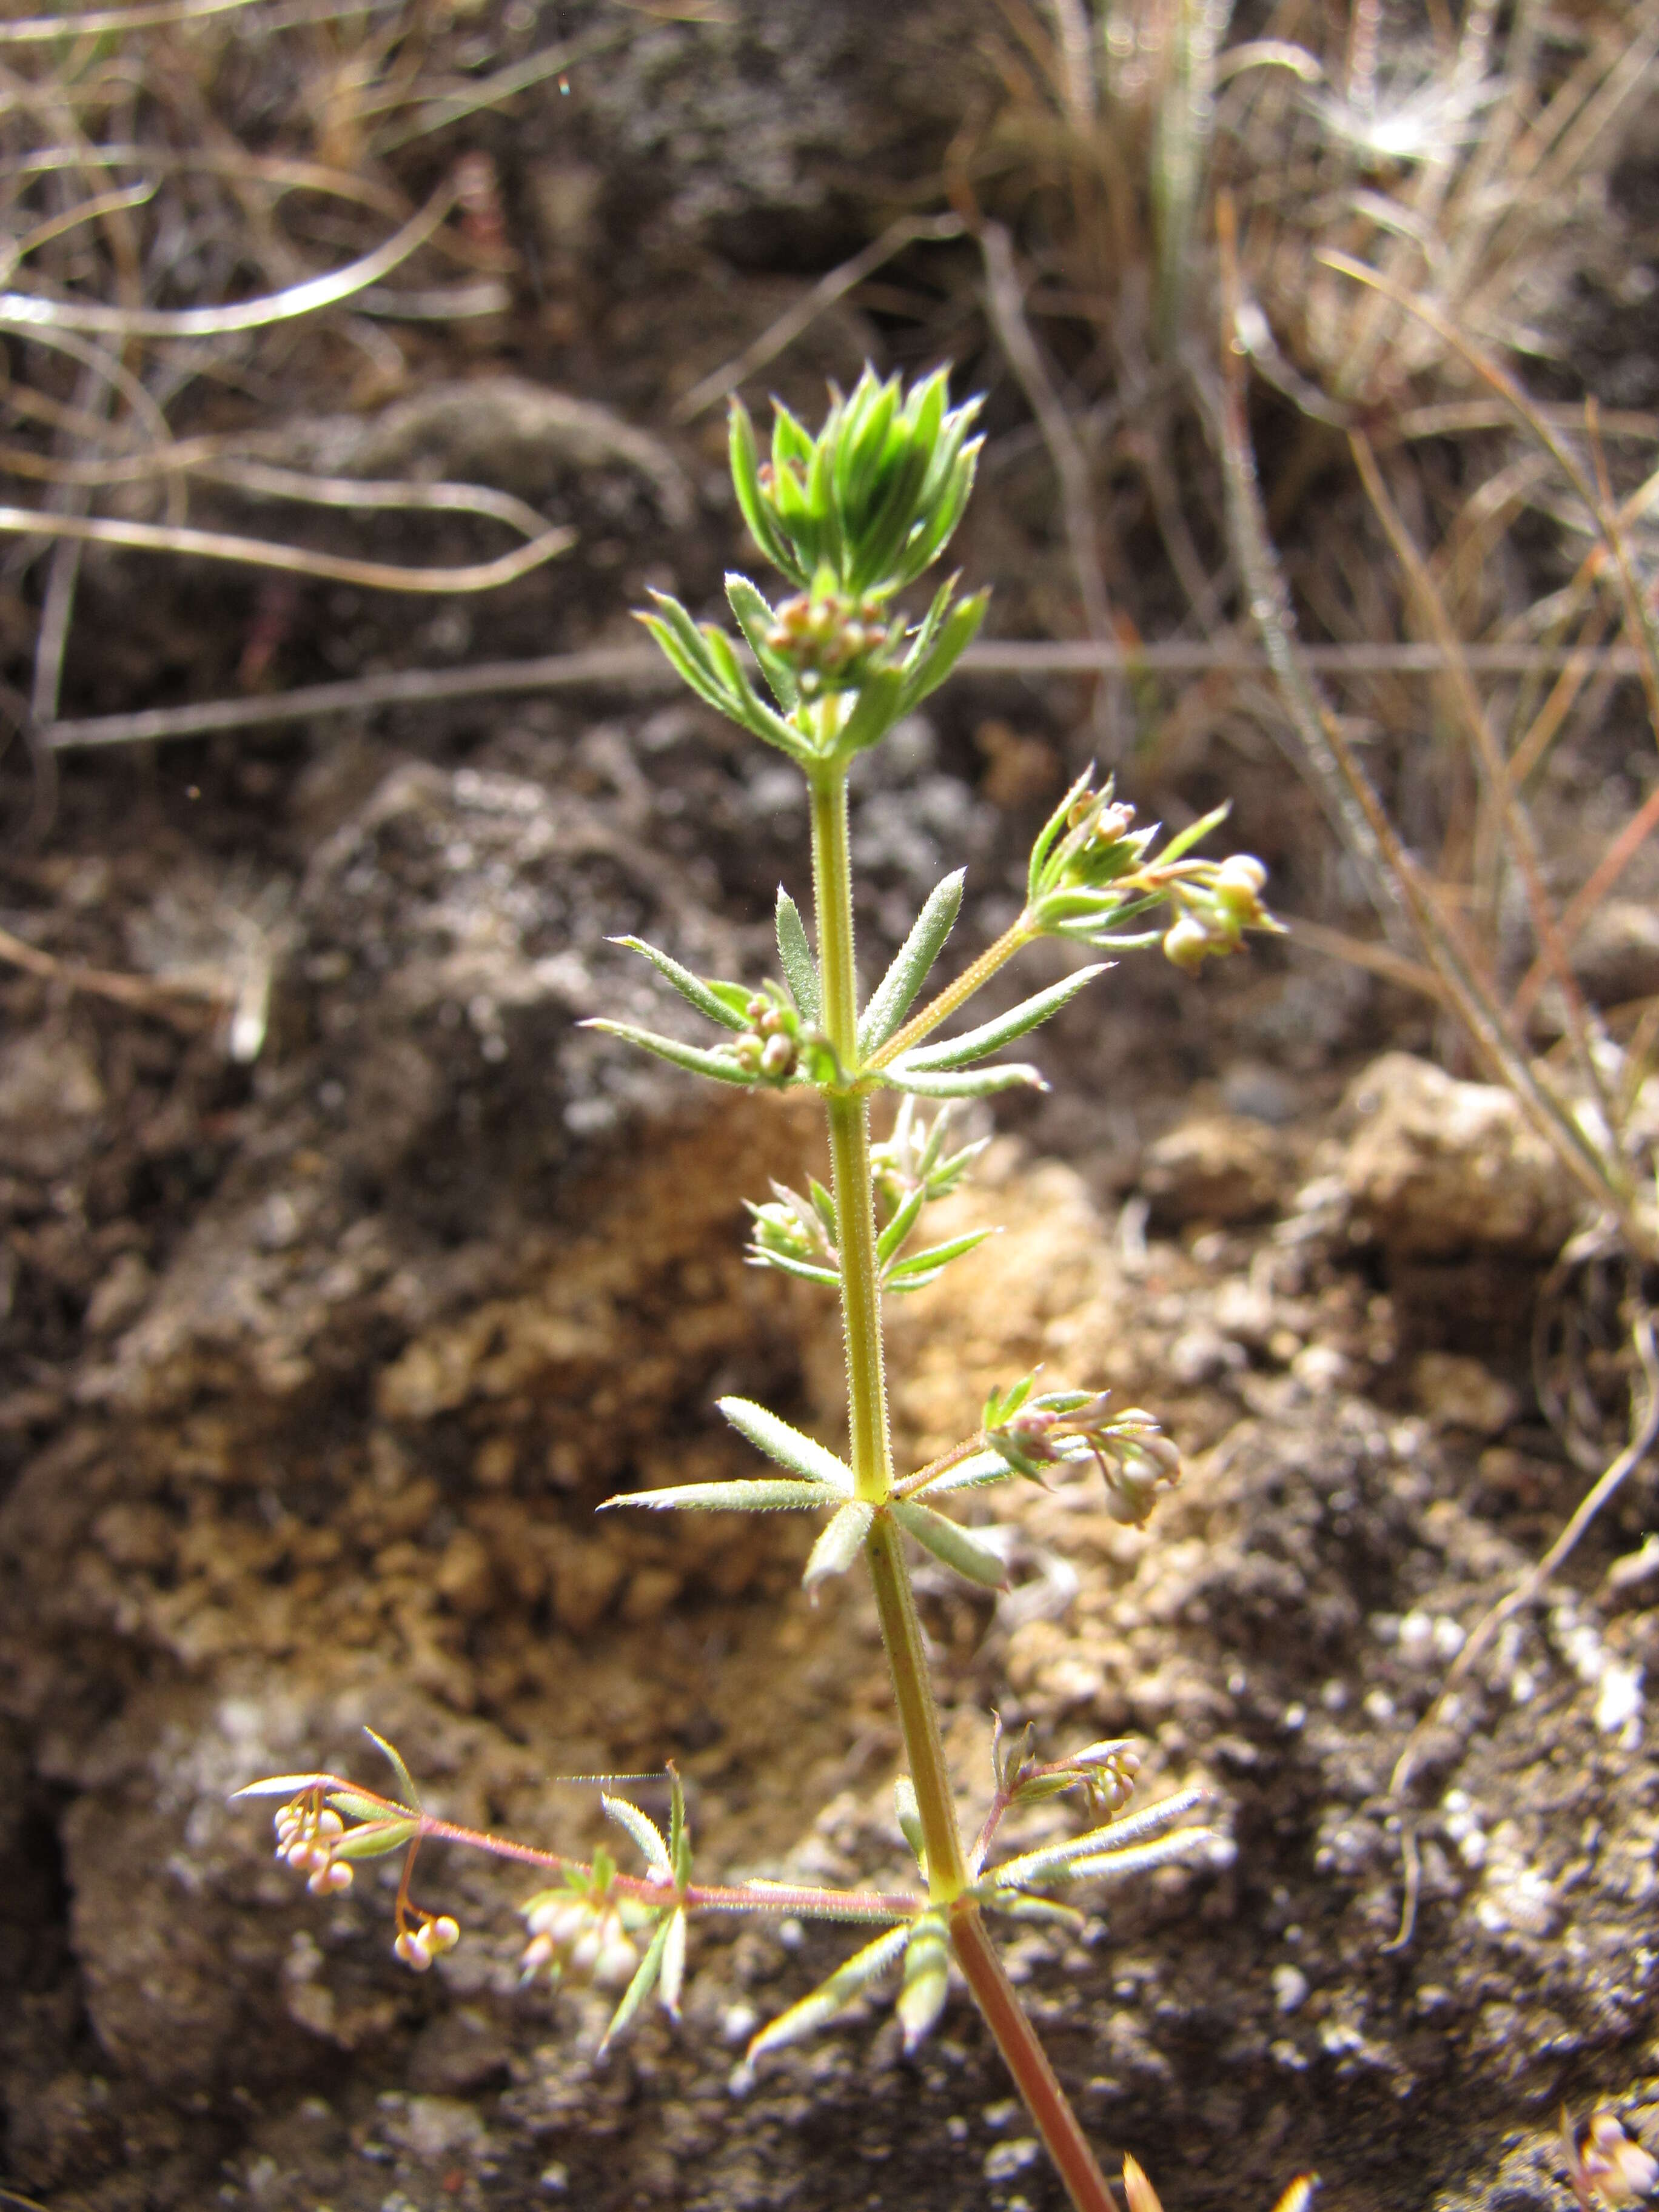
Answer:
[(1194, 833), (805, 1270), (1139, 1858), (645, 1976), (1053, 1859), (909, 1819), (926, 630), (644, 1831), (991, 1036), (755, 620), (832, 1996), (685, 646), (690, 988), (800, 970), (798, 1453), (376, 1841), (840, 1542), (740, 1496), (894, 994), (697, 1060), (924, 672), (745, 479), (926, 1978), (1057, 822), (1047, 1911), (952, 1546), (824, 1206), (938, 1257), (901, 1223), (967, 1083), (876, 711), (410, 1798), (679, 1842), (359, 1805)]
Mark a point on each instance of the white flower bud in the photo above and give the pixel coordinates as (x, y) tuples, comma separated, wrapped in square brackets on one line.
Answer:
[(614, 1967), (445, 1933), (1186, 943), (585, 1953), (413, 1948)]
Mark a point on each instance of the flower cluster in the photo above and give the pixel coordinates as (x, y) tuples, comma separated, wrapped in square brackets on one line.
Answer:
[(1105, 1772), (795, 1235), (308, 1836), (913, 1159), (769, 1048), (869, 502), (417, 1946), (583, 1935), (1092, 871), (831, 640), (1135, 1458), (1212, 904)]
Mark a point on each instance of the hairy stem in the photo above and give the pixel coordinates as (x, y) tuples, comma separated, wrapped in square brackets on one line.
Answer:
[(871, 1457), (1018, 935)]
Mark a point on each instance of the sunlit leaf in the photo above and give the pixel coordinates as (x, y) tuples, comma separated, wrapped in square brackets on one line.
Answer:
[(776, 1438), (841, 1541), (718, 1008), (892, 997), (832, 1996)]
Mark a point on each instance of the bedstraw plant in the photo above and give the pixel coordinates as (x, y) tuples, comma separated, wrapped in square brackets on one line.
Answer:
[(851, 518)]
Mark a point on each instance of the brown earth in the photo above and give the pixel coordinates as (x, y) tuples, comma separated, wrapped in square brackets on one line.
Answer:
[(345, 1276)]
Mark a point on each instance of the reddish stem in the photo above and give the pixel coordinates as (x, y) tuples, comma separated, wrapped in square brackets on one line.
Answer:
[(1028, 2062)]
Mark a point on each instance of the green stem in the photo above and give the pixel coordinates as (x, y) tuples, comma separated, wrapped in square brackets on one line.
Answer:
[(873, 1470), (1014, 938)]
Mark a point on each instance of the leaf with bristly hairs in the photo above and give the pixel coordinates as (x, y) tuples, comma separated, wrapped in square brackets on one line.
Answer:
[(800, 970), (832, 1996), (991, 1036), (645, 1978), (755, 620), (959, 1082), (841, 1541), (410, 1798), (893, 995), (812, 1462), (724, 1003), (965, 1555), (921, 1268), (762, 1497), (697, 1060), (644, 1831)]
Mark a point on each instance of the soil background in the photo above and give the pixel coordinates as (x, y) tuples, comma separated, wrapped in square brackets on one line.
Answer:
[(343, 1285)]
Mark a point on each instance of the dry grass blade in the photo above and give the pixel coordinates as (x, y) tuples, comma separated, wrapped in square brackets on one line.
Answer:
[(608, 668), (1645, 1433), (27, 311), (144, 993), (1400, 890), (721, 382), (293, 560), (1005, 298), (100, 22), (1500, 788)]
